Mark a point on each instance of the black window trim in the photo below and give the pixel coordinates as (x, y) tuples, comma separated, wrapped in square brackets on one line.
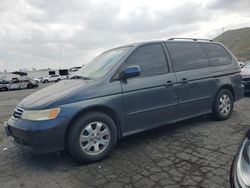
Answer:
[(199, 43), (115, 77), (219, 44)]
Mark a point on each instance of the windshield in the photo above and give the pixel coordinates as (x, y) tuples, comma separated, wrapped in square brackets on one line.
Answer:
[(101, 65)]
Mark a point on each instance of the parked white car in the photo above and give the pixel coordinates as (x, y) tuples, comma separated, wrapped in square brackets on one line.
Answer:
[(38, 80), (17, 84), (52, 78)]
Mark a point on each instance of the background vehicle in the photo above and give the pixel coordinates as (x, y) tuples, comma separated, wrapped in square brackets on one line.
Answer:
[(17, 84), (241, 64), (240, 170), (127, 90), (245, 72), (3, 85), (247, 62), (52, 78), (38, 80), (31, 83), (75, 77)]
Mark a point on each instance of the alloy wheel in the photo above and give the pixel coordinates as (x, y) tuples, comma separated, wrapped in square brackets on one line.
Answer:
[(224, 105), (94, 138)]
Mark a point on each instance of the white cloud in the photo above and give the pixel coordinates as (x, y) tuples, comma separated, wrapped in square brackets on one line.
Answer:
[(32, 31)]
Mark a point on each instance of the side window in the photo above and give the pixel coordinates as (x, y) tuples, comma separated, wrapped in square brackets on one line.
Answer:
[(187, 56), (151, 59), (217, 55)]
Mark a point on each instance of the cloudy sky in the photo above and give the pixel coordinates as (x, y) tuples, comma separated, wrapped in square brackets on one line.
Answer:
[(32, 32)]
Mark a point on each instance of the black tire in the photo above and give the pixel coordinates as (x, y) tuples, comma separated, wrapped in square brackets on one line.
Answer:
[(73, 136), (58, 80), (29, 86), (45, 81), (4, 89), (218, 113)]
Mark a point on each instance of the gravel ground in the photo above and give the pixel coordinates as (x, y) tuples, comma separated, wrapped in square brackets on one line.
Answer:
[(192, 153)]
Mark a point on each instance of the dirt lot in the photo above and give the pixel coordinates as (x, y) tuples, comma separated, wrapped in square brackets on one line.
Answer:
[(193, 153)]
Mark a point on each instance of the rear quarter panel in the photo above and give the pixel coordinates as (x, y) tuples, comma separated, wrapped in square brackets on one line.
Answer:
[(228, 75)]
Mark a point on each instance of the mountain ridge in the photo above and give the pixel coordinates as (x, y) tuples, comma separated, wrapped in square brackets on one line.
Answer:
[(237, 41)]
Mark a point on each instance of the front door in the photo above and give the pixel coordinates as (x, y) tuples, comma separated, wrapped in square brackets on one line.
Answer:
[(150, 99)]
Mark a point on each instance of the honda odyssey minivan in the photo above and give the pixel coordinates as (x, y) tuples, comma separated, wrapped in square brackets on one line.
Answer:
[(127, 90)]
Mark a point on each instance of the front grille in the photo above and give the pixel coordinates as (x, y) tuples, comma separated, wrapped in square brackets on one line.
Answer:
[(17, 113)]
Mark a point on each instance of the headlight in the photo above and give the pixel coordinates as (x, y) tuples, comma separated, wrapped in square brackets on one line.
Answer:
[(40, 115), (243, 164)]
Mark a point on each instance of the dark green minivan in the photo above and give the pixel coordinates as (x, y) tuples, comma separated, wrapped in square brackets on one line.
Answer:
[(127, 90)]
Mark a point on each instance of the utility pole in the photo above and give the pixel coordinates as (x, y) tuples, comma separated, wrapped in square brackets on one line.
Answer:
[(60, 56)]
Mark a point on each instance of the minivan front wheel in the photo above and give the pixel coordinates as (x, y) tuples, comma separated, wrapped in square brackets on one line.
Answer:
[(223, 105), (92, 137)]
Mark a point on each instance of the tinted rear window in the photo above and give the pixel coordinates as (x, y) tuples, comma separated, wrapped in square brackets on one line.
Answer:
[(217, 54), (187, 56)]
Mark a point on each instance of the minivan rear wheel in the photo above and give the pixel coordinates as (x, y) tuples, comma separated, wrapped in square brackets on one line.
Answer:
[(223, 105), (91, 137)]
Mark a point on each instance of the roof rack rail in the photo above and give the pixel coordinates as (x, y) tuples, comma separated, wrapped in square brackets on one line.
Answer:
[(193, 39)]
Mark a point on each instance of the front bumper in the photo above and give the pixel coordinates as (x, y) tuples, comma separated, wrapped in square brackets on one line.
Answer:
[(37, 136)]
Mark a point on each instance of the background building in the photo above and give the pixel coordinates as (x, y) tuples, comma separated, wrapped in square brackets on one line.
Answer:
[(37, 73)]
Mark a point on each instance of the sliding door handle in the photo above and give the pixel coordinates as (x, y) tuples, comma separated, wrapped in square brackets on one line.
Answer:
[(184, 80), (169, 83)]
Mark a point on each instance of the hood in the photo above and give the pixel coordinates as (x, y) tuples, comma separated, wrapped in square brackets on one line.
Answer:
[(48, 95)]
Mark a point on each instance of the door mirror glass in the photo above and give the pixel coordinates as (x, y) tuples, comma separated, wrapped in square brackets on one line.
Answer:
[(130, 72)]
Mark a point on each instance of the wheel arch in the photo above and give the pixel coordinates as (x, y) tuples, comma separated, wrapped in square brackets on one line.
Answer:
[(103, 109), (228, 87), (215, 112)]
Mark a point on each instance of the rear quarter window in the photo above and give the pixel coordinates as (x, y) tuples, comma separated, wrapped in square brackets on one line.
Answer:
[(217, 54), (187, 56)]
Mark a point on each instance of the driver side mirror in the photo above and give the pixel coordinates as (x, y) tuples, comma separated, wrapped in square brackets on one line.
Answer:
[(130, 72)]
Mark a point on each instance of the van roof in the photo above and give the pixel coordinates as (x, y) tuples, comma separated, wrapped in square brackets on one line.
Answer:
[(169, 40)]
